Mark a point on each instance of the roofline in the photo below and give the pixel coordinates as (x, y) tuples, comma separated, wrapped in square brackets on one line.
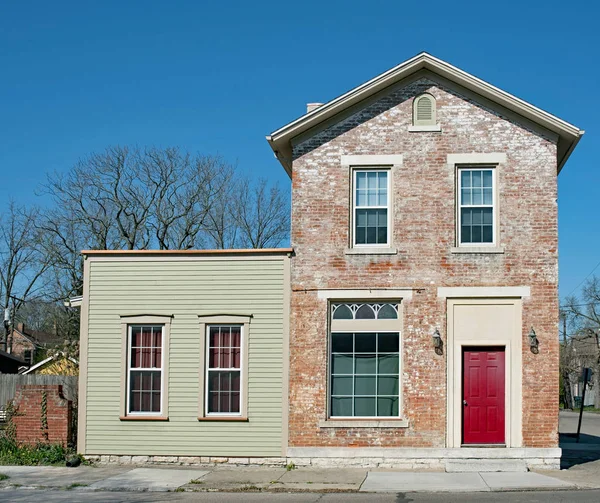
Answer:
[(53, 357), (257, 251), (12, 357), (279, 139)]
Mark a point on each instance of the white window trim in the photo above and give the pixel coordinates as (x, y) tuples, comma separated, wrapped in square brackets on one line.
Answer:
[(205, 322), (142, 369), (387, 325), (494, 206), (208, 369), (127, 321), (388, 206)]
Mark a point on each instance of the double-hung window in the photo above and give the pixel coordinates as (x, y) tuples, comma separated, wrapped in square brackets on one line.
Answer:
[(371, 196), (476, 206), (145, 369), (364, 360), (224, 370)]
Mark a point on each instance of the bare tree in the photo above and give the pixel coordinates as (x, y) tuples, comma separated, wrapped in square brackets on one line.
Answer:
[(22, 265), (585, 332), (261, 215)]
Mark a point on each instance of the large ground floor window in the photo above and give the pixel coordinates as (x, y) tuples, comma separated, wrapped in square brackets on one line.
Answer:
[(364, 367)]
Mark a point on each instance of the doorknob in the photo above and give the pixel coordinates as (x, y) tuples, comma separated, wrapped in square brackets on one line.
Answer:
[(465, 403)]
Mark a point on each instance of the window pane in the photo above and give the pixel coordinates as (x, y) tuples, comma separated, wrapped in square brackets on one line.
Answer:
[(342, 364), (477, 217), (136, 336), (466, 216), (487, 196), (225, 337), (487, 178), (388, 364), (465, 196), (476, 234), (465, 178), (383, 180), (465, 234), (372, 179), (487, 215), (215, 340), (389, 343), (235, 402), (365, 312), (372, 198), (361, 198), (364, 406), (342, 312), (382, 200), (488, 234), (361, 218), (341, 385), (387, 312), (371, 235), (361, 236), (341, 343), (372, 218), (365, 363), (387, 406), (477, 196), (361, 180), (382, 218), (155, 402), (381, 235), (387, 385), (364, 385), (365, 343), (476, 179), (341, 407)]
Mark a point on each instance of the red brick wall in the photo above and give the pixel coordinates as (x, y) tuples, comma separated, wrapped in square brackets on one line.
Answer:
[(20, 344), (424, 233), (29, 419)]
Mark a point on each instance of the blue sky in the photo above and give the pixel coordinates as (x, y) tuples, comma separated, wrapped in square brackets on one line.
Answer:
[(216, 77)]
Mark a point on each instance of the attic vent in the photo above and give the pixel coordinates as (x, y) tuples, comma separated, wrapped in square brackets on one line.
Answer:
[(424, 110)]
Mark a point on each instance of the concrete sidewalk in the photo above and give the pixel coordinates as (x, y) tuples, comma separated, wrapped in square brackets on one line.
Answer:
[(272, 479)]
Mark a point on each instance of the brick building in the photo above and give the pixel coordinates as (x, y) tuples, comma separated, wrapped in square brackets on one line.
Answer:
[(424, 302), (31, 345)]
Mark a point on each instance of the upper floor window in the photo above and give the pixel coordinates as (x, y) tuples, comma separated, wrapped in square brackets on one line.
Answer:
[(476, 206), (371, 207), (424, 110)]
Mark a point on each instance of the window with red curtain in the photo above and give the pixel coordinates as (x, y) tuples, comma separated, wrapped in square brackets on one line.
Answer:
[(224, 369), (145, 368)]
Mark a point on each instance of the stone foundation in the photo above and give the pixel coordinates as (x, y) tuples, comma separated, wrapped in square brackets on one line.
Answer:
[(398, 459)]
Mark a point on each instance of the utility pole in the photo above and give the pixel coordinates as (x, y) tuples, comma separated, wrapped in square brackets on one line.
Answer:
[(6, 327)]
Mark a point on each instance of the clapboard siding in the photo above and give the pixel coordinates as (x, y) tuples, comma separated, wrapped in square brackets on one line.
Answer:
[(186, 289)]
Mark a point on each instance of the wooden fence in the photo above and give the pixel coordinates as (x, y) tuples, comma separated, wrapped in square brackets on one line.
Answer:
[(8, 385)]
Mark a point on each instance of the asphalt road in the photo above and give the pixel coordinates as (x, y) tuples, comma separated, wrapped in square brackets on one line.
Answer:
[(25, 495)]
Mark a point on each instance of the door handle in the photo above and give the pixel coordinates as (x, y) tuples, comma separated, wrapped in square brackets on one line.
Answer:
[(465, 403)]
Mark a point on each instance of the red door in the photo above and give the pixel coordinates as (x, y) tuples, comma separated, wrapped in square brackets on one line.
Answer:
[(483, 396)]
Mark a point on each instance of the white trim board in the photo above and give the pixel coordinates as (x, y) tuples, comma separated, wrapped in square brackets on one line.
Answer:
[(398, 293), (483, 291)]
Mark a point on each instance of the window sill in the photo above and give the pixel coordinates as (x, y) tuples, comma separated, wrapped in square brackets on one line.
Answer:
[(144, 418), (477, 249), (362, 423), (433, 128), (224, 418), (371, 251)]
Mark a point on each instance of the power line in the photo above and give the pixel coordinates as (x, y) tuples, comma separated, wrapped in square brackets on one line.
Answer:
[(582, 281)]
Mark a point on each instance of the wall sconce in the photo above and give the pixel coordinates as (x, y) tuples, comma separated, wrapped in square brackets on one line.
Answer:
[(437, 342), (533, 342)]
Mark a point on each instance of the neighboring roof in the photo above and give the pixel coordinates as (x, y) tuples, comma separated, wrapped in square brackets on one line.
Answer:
[(568, 134), (257, 251), (4, 354), (60, 354), (37, 336)]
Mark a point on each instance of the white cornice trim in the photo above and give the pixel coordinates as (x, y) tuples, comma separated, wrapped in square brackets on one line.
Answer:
[(397, 293), (483, 291), (569, 134)]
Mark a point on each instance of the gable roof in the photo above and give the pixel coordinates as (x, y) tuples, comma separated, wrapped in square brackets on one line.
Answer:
[(568, 134), (50, 359), (37, 336)]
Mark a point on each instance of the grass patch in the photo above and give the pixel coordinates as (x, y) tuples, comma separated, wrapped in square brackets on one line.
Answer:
[(3, 476), (290, 466), (11, 453), (250, 488), (75, 485), (196, 481)]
